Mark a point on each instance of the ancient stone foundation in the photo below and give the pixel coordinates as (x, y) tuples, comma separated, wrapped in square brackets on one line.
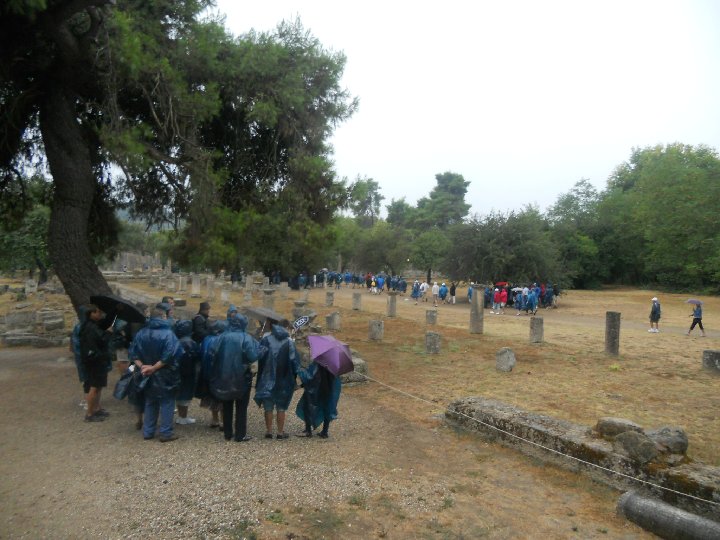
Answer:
[(614, 444)]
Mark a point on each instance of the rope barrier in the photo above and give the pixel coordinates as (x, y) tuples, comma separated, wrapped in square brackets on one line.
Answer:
[(533, 443)]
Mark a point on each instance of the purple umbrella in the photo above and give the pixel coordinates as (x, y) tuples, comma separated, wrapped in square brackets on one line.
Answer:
[(694, 301), (331, 354)]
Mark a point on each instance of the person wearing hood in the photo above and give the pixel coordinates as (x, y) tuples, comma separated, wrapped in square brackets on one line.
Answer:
[(208, 348), (231, 377), (168, 309), (187, 366), (156, 350), (453, 290), (318, 404), (443, 293), (95, 353), (278, 365), (415, 293)]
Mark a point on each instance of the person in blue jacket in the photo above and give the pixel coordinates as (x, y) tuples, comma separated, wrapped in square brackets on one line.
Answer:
[(155, 350), (415, 293), (697, 320), (318, 404), (208, 348), (187, 366), (231, 377), (278, 366), (443, 293)]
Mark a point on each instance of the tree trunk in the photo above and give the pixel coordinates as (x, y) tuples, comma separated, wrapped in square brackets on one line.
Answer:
[(71, 167)]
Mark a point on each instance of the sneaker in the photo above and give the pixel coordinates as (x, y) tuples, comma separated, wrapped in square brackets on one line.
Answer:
[(184, 421), (246, 438), (94, 418), (652, 330), (102, 412), (282, 435), (172, 437)]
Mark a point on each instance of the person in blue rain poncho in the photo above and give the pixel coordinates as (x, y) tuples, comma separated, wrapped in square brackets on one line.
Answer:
[(318, 404), (208, 347), (231, 377), (187, 366), (415, 294), (155, 350), (278, 366)]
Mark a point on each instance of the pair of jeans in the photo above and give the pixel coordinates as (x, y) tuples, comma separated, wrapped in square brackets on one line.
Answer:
[(241, 407), (165, 409)]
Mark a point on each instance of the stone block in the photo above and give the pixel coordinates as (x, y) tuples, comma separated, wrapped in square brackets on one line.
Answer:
[(670, 439), (609, 426), (637, 446), (505, 360)]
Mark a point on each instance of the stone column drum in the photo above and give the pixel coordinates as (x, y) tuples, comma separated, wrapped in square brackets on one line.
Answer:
[(377, 330), (329, 298), (357, 301), (476, 311), (536, 330), (612, 332), (431, 316), (432, 343), (392, 304)]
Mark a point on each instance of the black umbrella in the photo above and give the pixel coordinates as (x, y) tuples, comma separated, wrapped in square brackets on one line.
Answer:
[(118, 307)]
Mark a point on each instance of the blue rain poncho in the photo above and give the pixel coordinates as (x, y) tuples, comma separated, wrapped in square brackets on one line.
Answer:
[(188, 360), (278, 366), (321, 395), (208, 348), (415, 290), (230, 374), (157, 342)]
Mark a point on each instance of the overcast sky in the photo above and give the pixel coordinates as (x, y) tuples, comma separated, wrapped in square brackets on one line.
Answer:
[(522, 98)]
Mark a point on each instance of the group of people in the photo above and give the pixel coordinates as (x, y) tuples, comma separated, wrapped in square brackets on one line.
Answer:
[(656, 314), (441, 294), (171, 362)]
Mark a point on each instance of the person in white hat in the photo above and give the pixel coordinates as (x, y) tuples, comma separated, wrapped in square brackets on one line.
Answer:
[(654, 316)]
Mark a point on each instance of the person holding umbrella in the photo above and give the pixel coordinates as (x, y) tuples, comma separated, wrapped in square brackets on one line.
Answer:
[(697, 316), (95, 354), (321, 381)]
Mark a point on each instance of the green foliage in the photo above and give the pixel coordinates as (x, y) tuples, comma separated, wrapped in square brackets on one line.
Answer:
[(515, 247), (446, 205), (659, 219), (573, 219), (383, 247), (26, 244), (364, 201)]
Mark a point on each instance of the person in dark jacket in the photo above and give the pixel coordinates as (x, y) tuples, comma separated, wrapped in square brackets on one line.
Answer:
[(155, 350), (231, 376), (75, 349), (200, 325), (655, 314), (187, 366), (277, 370), (95, 354)]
